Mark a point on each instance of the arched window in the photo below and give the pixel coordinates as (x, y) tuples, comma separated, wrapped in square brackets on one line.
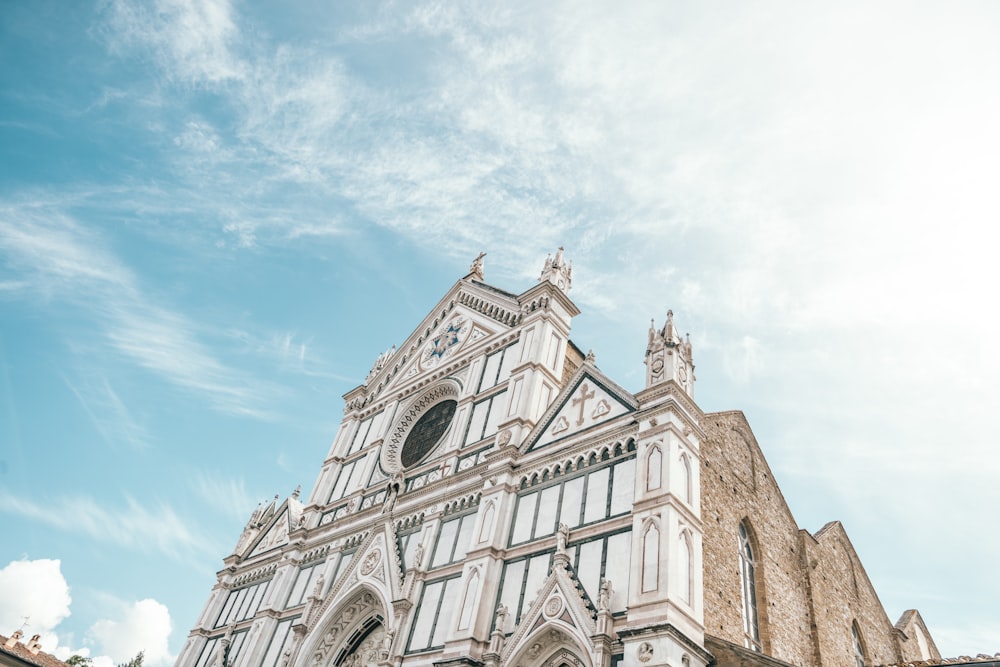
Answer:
[(859, 648), (748, 582)]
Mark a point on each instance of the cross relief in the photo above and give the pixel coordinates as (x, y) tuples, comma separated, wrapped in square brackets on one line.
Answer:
[(585, 395)]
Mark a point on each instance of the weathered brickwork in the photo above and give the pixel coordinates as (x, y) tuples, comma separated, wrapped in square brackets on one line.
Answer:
[(811, 590)]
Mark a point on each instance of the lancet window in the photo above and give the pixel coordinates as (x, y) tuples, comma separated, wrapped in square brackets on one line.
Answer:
[(349, 478), (748, 582), (368, 431), (434, 614), (242, 603), (593, 560), (859, 648), (305, 581), (453, 540), (588, 497), (407, 543), (281, 640), (496, 370), (486, 414)]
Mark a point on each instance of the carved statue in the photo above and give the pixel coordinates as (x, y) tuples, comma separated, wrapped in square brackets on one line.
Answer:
[(604, 596), (392, 492), (318, 588), (286, 657), (387, 644), (477, 266), (501, 618), (418, 555), (562, 534)]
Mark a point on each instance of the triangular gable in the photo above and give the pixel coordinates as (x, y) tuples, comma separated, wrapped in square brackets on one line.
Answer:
[(469, 312), (588, 399), (457, 332), (375, 565), (559, 606), (275, 535)]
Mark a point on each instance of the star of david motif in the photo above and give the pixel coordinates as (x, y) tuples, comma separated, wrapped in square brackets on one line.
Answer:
[(448, 339)]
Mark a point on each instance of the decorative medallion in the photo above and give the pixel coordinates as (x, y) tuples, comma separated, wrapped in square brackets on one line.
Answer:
[(645, 652), (553, 607), (370, 562), (658, 366), (449, 338)]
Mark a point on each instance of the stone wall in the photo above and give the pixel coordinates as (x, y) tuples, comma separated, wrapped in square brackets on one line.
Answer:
[(810, 589)]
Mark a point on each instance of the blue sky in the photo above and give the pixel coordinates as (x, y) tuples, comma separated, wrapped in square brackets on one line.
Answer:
[(215, 215)]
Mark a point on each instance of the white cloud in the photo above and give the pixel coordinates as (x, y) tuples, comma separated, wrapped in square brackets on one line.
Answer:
[(143, 626), (34, 592)]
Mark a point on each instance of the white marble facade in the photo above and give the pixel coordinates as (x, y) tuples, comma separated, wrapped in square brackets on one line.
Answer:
[(491, 498)]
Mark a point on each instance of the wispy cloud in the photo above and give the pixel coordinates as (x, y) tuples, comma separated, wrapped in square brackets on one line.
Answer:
[(228, 496), (130, 525), (108, 413), (61, 259)]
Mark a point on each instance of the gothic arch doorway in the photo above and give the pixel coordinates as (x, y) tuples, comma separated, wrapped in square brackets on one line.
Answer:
[(355, 635), (366, 646)]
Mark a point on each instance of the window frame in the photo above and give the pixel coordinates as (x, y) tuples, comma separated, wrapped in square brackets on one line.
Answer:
[(562, 481)]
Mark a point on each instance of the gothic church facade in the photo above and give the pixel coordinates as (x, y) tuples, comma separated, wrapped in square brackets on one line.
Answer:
[(493, 499)]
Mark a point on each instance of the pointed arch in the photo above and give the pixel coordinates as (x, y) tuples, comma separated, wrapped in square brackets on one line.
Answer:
[(685, 572), (469, 599), (859, 645), (487, 528), (553, 644), (650, 556), (344, 627), (654, 468), (748, 584), (686, 486)]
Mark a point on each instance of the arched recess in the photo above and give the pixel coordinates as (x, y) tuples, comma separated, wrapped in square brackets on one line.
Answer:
[(356, 625), (650, 574), (654, 468), (552, 645), (685, 569), (686, 481)]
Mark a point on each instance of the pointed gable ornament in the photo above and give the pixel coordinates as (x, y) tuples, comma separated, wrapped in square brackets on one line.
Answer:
[(559, 617), (557, 271)]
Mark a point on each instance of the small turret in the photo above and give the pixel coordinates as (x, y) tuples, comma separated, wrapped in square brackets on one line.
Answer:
[(668, 356), (557, 271)]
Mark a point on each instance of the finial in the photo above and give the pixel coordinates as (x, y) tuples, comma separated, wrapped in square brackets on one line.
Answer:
[(590, 357), (297, 491), (557, 271)]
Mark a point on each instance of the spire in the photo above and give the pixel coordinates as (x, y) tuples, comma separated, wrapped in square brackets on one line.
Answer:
[(668, 356), (557, 271)]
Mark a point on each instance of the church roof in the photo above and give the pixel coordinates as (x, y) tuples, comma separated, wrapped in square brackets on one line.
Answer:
[(22, 654)]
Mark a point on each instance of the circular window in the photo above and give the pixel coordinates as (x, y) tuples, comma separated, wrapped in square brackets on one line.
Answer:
[(427, 432)]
